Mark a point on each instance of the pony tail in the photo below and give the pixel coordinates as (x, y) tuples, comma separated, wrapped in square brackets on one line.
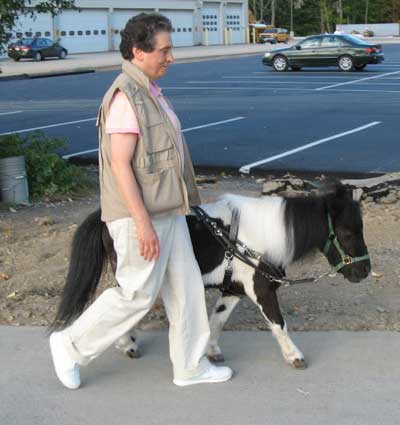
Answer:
[(88, 258)]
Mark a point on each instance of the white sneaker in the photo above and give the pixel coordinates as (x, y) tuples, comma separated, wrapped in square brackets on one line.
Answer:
[(212, 375), (67, 370)]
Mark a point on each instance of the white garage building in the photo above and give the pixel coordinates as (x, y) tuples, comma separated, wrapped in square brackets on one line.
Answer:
[(96, 26)]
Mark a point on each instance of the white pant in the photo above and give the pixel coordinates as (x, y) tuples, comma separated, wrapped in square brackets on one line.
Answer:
[(176, 274)]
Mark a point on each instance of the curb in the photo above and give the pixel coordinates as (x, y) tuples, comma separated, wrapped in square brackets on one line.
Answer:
[(47, 74)]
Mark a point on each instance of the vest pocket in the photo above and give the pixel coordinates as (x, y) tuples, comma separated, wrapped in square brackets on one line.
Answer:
[(161, 191)]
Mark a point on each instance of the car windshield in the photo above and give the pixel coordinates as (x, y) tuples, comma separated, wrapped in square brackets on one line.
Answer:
[(24, 42), (352, 39)]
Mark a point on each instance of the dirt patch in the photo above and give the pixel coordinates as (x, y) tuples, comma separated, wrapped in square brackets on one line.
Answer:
[(34, 251)]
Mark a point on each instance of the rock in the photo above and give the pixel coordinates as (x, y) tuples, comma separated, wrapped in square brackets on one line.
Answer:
[(380, 310), (45, 221), (259, 181), (272, 187), (389, 199), (4, 276)]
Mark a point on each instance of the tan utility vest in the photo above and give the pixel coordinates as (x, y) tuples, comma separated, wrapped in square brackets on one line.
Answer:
[(167, 187)]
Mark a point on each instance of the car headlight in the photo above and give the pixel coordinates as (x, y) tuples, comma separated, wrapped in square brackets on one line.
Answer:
[(267, 55)]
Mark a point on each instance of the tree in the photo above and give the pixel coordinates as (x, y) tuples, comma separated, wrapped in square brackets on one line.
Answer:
[(11, 10)]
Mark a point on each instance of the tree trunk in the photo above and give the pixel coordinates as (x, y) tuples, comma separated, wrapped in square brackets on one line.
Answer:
[(340, 11), (322, 14), (273, 12)]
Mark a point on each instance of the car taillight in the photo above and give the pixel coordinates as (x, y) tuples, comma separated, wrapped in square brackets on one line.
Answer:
[(371, 50)]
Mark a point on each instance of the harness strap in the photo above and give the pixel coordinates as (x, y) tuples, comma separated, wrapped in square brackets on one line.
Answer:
[(271, 272)]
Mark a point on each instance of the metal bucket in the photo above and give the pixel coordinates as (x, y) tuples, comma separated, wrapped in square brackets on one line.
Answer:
[(13, 181)]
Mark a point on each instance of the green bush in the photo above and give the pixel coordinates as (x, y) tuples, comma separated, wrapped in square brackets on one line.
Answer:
[(48, 174)]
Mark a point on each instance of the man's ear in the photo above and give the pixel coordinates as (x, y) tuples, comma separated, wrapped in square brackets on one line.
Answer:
[(138, 54)]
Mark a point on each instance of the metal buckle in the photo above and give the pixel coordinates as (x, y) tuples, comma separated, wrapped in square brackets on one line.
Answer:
[(228, 255), (347, 260)]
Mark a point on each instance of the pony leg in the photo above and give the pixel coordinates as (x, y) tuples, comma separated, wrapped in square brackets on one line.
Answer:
[(265, 298), (127, 344), (221, 312)]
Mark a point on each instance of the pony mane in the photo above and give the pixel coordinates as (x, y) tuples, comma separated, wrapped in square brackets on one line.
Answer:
[(262, 224)]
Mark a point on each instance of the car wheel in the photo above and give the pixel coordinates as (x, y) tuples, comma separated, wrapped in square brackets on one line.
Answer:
[(38, 57), (296, 68), (280, 63), (63, 54), (346, 63), (17, 59), (360, 67)]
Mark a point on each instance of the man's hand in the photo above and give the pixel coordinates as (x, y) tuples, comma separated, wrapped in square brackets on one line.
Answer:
[(148, 241)]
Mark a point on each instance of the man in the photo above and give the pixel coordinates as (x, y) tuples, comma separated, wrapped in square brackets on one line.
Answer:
[(147, 185)]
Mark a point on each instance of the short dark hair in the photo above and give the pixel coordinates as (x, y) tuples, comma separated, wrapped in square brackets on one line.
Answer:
[(140, 31)]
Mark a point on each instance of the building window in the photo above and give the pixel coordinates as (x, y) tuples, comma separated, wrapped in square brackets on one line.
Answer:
[(47, 34), (80, 32), (116, 31), (28, 34), (190, 29), (63, 33), (103, 32), (184, 29), (71, 33), (95, 32), (179, 30), (88, 32), (38, 34)]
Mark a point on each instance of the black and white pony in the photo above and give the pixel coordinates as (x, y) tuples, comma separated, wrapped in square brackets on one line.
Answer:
[(282, 229)]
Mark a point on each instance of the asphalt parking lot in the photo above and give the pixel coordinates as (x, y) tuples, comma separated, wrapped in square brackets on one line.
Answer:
[(237, 113)]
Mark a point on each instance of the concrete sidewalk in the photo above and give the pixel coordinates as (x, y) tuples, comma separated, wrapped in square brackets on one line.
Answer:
[(86, 62), (353, 379), (110, 60)]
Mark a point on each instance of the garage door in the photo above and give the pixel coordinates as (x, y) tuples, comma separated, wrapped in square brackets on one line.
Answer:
[(84, 31), (211, 22), (182, 26), (42, 26), (119, 18), (234, 23)]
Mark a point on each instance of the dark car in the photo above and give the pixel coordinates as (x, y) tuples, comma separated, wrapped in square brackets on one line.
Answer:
[(36, 49), (345, 51)]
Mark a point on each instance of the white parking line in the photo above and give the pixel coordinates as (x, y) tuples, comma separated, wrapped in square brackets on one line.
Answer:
[(290, 76), (9, 113), (252, 82), (357, 81), (25, 130), (246, 168), (183, 131)]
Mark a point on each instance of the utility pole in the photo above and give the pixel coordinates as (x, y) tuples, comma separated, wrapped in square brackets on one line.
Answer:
[(366, 11)]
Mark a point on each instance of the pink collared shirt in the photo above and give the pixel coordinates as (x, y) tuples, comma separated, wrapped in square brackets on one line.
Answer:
[(122, 118)]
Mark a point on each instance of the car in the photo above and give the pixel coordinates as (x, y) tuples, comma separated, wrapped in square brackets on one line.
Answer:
[(343, 50), (36, 49), (274, 35)]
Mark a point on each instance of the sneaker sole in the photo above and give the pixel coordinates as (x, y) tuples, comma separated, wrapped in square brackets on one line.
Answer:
[(181, 383)]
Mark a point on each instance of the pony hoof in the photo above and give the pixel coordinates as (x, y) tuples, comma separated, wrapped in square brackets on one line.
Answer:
[(133, 354), (299, 364), (216, 358)]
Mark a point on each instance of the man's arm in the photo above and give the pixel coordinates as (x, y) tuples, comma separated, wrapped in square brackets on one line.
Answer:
[(122, 150)]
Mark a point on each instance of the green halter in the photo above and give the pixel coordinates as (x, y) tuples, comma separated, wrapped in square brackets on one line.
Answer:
[(346, 259)]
